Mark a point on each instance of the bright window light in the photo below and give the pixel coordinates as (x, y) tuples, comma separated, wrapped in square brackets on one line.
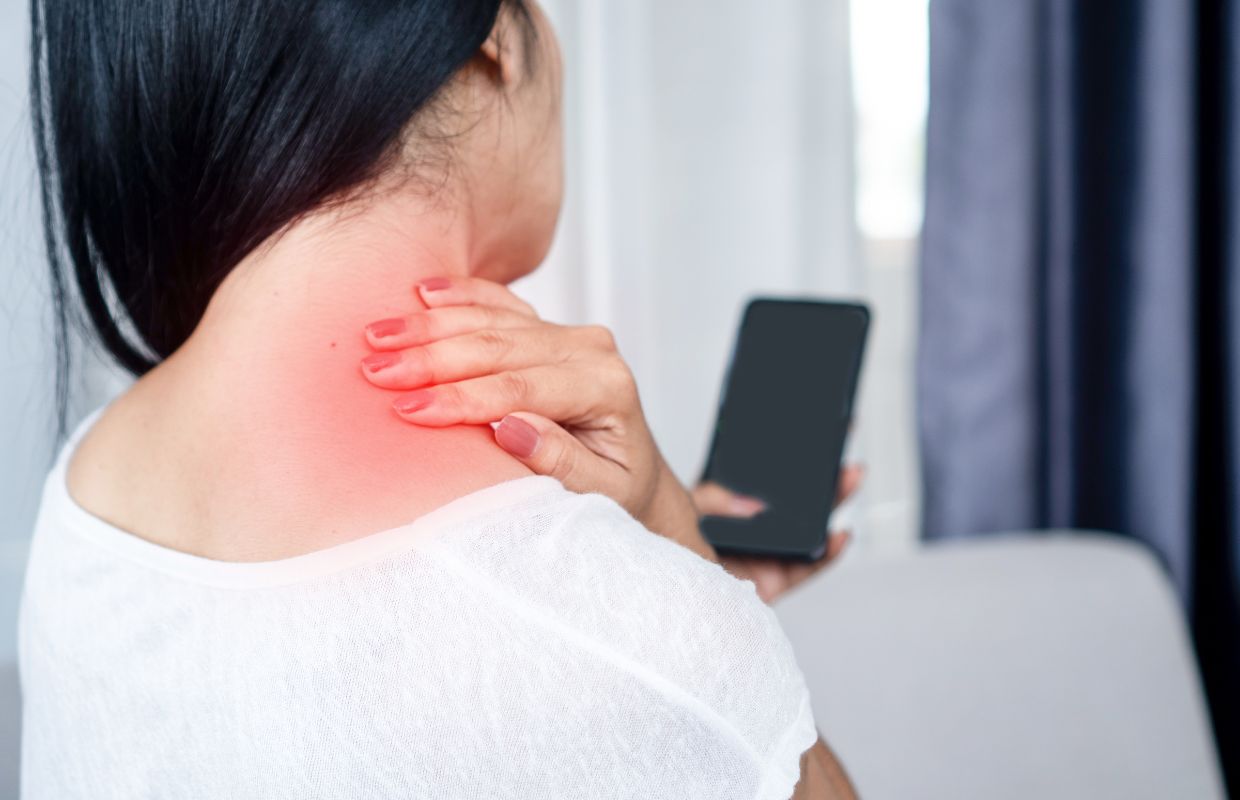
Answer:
[(889, 67)]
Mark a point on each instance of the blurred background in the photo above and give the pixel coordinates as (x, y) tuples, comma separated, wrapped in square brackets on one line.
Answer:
[(1036, 199)]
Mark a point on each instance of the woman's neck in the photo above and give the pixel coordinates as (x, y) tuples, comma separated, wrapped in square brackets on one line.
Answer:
[(267, 399), (332, 271)]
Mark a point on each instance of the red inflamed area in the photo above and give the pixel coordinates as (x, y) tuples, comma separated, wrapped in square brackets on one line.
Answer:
[(318, 453)]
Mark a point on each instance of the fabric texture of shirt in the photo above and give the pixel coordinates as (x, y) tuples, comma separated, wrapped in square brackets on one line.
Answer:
[(522, 641)]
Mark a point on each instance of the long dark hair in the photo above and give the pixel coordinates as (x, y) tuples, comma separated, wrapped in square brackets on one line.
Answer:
[(175, 136)]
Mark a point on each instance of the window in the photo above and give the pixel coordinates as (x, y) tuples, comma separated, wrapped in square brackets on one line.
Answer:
[(889, 41)]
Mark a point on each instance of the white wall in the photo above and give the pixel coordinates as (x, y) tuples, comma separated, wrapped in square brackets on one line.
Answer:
[(25, 382)]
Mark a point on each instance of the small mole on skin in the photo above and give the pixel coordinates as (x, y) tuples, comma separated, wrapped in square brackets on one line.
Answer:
[(333, 344)]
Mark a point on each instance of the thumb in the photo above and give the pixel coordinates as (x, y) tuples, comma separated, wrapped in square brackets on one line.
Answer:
[(548, 449), (713, 500)]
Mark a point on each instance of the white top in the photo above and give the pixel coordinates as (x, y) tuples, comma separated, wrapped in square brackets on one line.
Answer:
[(522, 642)]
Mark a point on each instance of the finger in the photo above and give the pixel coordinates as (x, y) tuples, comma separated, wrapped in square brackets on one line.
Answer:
[(799, 573), (466, 291), (441, 323), (772, 577), (471, 355), (836, 544), (769, 579), (851, 478), (715, 500), (562, 393), (548, 449)]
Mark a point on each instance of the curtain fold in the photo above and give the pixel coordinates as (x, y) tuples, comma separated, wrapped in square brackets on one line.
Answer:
[(1079, 350)]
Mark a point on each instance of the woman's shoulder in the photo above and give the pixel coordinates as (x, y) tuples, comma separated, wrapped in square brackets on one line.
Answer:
[(584, 559), (582, 568), (101, 460), (561, 547)]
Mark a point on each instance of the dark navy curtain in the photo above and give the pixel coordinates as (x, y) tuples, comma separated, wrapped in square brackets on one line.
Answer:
[(1080, 350)]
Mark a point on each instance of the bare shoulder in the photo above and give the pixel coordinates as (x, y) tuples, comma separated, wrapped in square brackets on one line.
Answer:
[(106, 466)]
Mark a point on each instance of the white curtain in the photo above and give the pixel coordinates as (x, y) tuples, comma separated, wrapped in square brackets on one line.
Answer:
[(710, 158)]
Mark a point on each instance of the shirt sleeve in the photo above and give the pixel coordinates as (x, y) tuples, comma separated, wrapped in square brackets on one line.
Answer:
[(732, 654)]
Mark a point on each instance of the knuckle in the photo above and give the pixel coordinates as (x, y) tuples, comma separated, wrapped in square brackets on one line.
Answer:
[(485, 317), (622, 381), (513, 386), (496, 344), (421, 327), (564, 462), (507, 298), (421, 361), (449, 396), (600, 336)]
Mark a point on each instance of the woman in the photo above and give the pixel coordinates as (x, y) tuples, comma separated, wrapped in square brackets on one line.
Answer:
[(249, 577)]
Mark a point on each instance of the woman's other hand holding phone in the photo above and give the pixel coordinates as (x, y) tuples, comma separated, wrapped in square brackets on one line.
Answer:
[(771, 576), (565, 400)]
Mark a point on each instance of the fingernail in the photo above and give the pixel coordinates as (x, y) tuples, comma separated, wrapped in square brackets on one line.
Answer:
[(434, 284), (746, 506), (517, 437), (380, 361), (386, 327), (414, 401)]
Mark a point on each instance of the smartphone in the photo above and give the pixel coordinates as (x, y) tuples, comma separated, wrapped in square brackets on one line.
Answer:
[(783, 418)]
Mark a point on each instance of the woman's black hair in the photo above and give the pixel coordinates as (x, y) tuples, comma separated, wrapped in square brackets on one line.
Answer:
[(175, 136)]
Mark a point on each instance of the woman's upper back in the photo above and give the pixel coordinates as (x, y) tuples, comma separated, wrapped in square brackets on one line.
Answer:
[(243, 450), (521, 641)]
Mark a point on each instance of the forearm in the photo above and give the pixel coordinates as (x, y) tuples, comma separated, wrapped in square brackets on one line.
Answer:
[(673, 515), (822, 776)]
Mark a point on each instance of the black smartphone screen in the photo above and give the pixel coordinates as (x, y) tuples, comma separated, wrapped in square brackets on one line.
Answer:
[(783, 419)]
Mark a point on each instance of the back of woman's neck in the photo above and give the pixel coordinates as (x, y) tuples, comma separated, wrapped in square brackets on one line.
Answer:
[(277, 435)]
